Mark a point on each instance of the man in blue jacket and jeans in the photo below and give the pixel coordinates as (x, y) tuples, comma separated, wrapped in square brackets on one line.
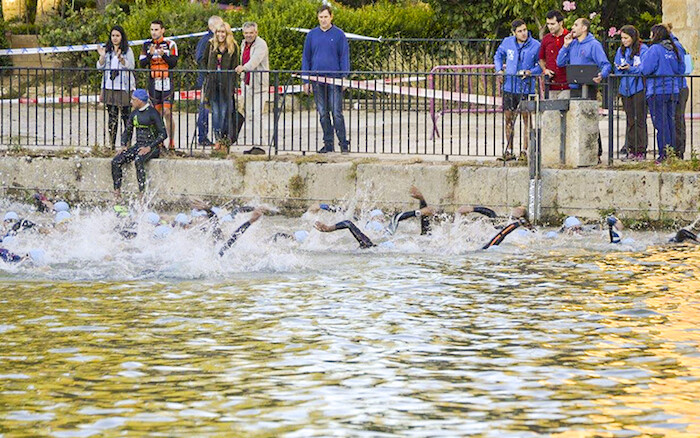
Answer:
[(517, 57), (327, 52)]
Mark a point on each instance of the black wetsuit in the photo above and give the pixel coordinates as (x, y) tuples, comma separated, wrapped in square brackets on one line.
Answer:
[(498, 238), (231, 240), (150, 132)]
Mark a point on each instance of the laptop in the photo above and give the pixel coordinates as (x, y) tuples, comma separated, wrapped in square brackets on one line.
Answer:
[(581, 74)]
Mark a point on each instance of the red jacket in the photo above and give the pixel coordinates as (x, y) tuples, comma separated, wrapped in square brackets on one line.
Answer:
[(549, 49)]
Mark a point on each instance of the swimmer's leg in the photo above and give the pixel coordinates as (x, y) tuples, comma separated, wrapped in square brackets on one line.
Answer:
[(361, 238)]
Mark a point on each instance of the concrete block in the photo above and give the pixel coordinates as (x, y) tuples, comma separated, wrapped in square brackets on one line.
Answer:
[(328, 181), (191, 177), (389, 184), (582, 133), (585, 192), (517, 186), (551, 138), (268, 179), (679, 194), (487, 186)]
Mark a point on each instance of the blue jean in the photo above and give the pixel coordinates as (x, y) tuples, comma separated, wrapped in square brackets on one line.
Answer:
[(662, 108), (220, 110), (202, 123), (329, 100)]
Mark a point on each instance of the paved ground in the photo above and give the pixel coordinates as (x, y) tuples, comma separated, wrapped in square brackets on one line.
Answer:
[(383, 132)]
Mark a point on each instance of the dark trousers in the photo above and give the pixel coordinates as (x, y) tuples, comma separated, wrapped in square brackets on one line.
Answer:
[(329, 100), (128, 156), (662, 108), (202, 123), (636, 139), (113, 121), (679, 147)]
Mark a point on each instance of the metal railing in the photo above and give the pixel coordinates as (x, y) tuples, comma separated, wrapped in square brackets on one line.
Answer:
[(427, 113)]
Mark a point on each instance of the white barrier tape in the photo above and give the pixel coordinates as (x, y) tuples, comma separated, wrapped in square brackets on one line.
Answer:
[(81, 47), (181, 95), (351, 36)]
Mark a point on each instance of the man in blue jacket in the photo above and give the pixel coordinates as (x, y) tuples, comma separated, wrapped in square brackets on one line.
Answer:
[(327, 52), (581, 48), (520, 53), (203, 116)]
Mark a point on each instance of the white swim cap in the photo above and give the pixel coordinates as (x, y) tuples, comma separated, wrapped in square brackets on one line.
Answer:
[(374, 226), (182, 219), (61, 216), (162, 231), (8, 240), (198, 213), (571, 221), (152, 218), (227, 218), (376, 212), (11, 216), (216, 210), (61, 206), (551, 235), (301, 235)]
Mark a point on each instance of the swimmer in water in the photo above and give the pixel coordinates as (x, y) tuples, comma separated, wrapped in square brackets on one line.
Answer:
[(687, 234), (520, 216), (423, 212), (254, 216)]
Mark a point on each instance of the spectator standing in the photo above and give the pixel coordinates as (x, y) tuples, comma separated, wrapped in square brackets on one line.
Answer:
[(683, 95), (557, 85), (628, 63), (220, 84), (581, 48), (255, 64), (327, 52), (662, 61), (117, 60), (203, 116), (517, 58), (150, 134), (160, 56)]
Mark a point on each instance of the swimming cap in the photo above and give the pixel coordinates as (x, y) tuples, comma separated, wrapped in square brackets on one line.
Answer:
[(61, 206), (198, 213), (216, 210), (376, 212), (61, 216), (7, 240), (551, 235), (301, 235), (571, 221), (182, 219), (374, 226), (152, 218), (162, 231), (11, 216), (141, 95), (227, 218)]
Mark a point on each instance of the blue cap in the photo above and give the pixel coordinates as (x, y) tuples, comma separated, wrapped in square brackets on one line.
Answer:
[(162, 231), (612, 220), (301, 235), (182, 219), (152, 218), (61, 206), (61, 216), (141, 95), (11, 216)]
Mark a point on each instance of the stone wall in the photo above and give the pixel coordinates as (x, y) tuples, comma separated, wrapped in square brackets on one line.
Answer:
[(583, 192), (685, 17)]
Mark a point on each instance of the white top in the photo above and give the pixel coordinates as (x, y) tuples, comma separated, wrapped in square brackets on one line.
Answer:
[(124, 80)]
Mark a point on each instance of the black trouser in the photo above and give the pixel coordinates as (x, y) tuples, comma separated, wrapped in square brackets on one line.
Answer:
[(113, 122), (636, 139), (128, 156), (679, 146)]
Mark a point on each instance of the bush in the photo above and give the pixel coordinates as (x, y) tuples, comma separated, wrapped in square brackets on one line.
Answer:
[(4, 44)]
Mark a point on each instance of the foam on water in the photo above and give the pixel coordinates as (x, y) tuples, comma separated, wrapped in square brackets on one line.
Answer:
[(90, 247)]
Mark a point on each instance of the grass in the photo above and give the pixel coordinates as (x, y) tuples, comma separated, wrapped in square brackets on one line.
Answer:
[(671, 164), (297, 186), (352, 175), (243, 160)]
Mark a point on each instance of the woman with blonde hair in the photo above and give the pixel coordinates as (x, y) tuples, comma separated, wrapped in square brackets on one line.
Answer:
[(221, 82)]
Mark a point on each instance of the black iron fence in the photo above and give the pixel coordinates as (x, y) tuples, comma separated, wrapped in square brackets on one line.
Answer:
[(452, 110), (448, 111)]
